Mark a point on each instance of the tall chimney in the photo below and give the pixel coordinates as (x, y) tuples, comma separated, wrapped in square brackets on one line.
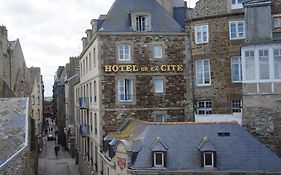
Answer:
[(84, 42), (89, 34)]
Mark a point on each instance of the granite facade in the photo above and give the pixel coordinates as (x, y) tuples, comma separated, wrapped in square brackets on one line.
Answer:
[(219, 49), (145, 101)]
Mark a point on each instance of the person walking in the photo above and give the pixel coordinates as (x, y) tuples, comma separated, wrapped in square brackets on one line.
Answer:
[(57, 148)]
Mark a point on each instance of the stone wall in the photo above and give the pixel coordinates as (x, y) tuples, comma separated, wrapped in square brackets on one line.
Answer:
[(219, 51), (145, 102), (22, 164), (262, 118)]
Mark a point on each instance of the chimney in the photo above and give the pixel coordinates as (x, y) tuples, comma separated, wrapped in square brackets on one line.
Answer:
[(89, 34), (94, 26), (84, 42), (168, 5)]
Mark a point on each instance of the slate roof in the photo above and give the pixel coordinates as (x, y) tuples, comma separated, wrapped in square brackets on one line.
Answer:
[(13, 127), (238, 151), (118, 17)]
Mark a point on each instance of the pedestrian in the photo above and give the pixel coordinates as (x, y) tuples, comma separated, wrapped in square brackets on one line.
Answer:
[(57, 148)]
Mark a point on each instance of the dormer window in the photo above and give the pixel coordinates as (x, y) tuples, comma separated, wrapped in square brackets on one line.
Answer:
[(158, 159), (159, 152), (208, 159), (141, 21), (208, 153)]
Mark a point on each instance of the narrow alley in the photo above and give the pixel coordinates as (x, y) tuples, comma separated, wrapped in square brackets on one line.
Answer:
[(50, 164)]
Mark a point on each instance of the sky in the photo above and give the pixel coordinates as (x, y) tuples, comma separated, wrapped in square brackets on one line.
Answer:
[(50, 31)]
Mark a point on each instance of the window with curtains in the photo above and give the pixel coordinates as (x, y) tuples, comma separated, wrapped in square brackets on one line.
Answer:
[(125, 90), (203, 75)]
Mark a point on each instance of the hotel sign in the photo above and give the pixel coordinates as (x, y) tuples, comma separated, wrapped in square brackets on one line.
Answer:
[(141, 68)]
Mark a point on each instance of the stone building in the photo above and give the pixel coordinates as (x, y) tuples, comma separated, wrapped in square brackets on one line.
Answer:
[(217, 29), (14, 75), (187, 149), (261, 62), (71, 78), (36, 99), (134, 64), (59, 103)]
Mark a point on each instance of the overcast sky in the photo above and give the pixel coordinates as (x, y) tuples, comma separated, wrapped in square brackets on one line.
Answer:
[(50, 31)]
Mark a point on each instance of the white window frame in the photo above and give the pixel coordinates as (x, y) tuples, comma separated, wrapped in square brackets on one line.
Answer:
[(279, 55), (256, 49), (236, 105), (199, 29), (124, 54), (238, 58), (162, 117), (261, 55), (203, 71), (141, 23), (206, 108), (236, 30), (204, 157), (127, 91), (155, 161), (159, 88), (156, 53), (236, 5)]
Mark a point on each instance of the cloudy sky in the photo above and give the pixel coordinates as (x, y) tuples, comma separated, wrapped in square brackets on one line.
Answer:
[(50, 31)]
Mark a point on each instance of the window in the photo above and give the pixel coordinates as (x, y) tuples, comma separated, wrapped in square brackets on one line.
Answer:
[(208, 159), (204, 107), (90, 61), (236, 4), (277, 63), (159, 86), (236, 105), (94, 57), (236, 69), (236, 30), (203, 72), (250, 65), (141, 23), (96, 123), (263, 64), (95, 91), (158, 159), (125, 90), (158, 51), (159, 118), (276, 22), (124, 52), (87, 65), (201, 34), (91, 95)]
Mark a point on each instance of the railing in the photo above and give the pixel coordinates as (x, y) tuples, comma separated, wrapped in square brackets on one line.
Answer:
[(84, 130), (84, 102), (237, 117)]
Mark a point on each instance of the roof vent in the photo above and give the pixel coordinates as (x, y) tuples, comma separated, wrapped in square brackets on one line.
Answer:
[(223, 134)]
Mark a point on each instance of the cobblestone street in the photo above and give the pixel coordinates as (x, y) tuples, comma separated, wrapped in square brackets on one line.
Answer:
[(49, 164)]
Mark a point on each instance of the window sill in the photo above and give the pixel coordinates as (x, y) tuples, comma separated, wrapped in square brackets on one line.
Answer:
[(202, 42)]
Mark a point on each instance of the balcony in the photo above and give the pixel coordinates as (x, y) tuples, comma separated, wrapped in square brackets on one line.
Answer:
[(84, 130), (84, 102)]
